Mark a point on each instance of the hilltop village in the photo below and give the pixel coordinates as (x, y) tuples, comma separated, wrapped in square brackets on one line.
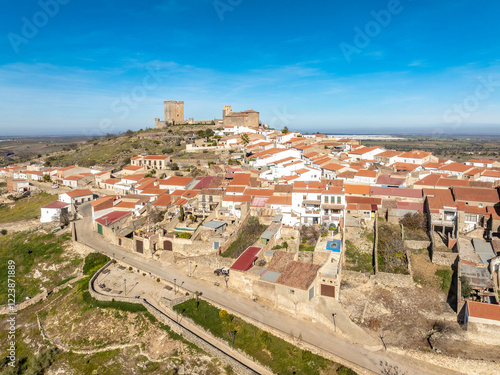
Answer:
[(284, 218)]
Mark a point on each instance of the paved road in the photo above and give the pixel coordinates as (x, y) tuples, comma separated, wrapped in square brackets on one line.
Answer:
[(315, 334)]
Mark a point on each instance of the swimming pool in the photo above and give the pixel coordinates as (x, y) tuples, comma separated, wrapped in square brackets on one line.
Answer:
[(334, 245)]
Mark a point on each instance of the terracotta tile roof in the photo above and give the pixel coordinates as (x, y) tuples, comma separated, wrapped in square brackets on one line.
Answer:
[(78, 193), (176, 181), (132, 168), (385, 179), (333, 167), (429, 180), (456, 167), (280, 200), (162, 201), (476, 194), (240, 179), (112, 217), (396, 192), (483, 310), (126, 205), (282, 188), (366, 173), (73, 178), (111, 181), (483, 161), (237, 198), (298, 275), (56, 204), (134, 177), (235, 189), (432, 165), (357, 189), (258, 192), (452, 182), (439, 198), (415, 154), (346, 174), (102, 200), (280, 261), (404, 167), (364, 150), (155, 157), (388, 154)]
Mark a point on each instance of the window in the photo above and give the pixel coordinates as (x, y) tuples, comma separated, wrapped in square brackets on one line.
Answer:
[(339, 199), (326, 199), (471, 217)]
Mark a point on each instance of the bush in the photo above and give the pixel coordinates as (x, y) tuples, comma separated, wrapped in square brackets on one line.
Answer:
[(130, 268), (157, 279), (4, 232), (415, 221)]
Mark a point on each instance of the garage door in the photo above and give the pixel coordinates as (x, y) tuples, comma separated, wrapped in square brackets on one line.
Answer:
[(167, 245), (328, 290), (139, 245)]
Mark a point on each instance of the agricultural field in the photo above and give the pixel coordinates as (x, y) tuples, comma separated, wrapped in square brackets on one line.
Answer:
[(457, 148)]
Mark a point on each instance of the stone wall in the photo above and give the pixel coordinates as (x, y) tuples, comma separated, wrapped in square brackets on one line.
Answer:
[(392, 279), (4, 309), (416, 245), (444, 258), (213, 350)]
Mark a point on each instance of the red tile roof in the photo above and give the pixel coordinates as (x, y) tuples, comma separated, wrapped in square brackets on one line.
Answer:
[(112, 217), (483, 310), (79, 193), (245, 260), (162, 201), (56, 204), (280, 200), (298, 275)]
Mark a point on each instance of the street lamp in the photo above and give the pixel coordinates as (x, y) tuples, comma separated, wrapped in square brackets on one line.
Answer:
[(334, 315), (125, 285), (175, 286), (190, 268)]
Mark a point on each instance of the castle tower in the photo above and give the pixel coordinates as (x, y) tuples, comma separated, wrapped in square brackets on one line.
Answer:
[(227, 110), (174, 112)]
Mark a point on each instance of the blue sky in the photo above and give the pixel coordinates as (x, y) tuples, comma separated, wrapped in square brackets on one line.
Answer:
[(74, 67)]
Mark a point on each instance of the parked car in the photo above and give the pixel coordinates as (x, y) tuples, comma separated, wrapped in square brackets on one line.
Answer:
[(55, 186), (218, 271), (225, 271)]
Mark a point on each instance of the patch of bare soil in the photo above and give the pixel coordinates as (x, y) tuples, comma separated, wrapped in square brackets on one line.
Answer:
[(406, 316)]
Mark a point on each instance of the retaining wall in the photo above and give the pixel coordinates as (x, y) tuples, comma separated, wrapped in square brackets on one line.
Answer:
[(238, 367)]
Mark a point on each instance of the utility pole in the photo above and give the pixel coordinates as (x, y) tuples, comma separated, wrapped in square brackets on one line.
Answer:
[(334, 315), (125, 286), (190, 268), (175, 286)]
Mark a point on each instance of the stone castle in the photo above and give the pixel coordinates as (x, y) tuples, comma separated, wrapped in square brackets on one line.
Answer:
[(248, 118), (174, 114)]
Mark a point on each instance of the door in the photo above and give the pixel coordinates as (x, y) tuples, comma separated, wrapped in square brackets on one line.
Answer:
[(99, 228), (167, 245), (139, 245), (328, 290)]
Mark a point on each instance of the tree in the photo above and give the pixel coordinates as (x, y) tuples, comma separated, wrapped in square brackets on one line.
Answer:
[(64, 217), (209, 133), (46, 178), (285, 130), (466, 288), (244, 139), (175, 167), (200, 134), (181, 214)]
